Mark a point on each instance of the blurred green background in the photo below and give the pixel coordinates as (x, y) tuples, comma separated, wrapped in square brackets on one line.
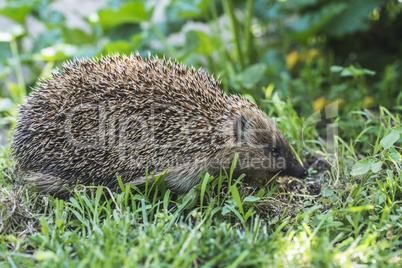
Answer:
[(308, 53), (314, 66)]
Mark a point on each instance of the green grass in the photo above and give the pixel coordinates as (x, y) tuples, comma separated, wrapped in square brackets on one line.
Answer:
[(224, 222), (348, 213)]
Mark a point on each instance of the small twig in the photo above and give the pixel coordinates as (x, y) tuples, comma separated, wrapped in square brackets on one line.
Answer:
[(276, 175), (114, 201)]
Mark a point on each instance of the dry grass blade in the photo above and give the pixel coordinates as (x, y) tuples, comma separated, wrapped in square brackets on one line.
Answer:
[(16, 216)]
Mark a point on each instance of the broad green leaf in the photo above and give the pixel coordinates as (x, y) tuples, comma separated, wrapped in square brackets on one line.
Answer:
[(251, 199), (18, 10), (353, 18), (44, 228), (311, 22), (48, 38), (390, 139), (376, 167), (45, 255), (16, 92), (355, 72), (327, 192), (351, 71), (134, 12), (250, 98), (190, 199), (78, 37), (190, 9), (395, 156), (122, 47), (252, 75), (336, 68), (200, 42), (50, 17), (362, 167), (398, 129), (260, 193)]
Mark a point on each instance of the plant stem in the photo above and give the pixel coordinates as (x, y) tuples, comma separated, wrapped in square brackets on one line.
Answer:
[(224, 58), (247, 26), (18, 71), (164, 41), (228, 6)]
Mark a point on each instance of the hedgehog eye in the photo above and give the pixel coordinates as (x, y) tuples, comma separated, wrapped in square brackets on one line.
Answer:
[(274, 151)]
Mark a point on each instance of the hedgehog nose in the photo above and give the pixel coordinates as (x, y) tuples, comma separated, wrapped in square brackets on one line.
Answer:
[(304, 174)]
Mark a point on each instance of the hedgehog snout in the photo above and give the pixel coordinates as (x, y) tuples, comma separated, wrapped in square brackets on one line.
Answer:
[(295, 169)]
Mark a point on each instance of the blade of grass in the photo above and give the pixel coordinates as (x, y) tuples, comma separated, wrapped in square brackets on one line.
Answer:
[(230, 13), (18, 72), (247, 28)]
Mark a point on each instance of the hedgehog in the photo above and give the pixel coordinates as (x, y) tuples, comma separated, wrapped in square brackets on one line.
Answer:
[(100, 118)]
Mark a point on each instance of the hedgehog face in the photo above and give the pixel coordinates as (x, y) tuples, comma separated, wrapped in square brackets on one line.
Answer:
[(263, 150)]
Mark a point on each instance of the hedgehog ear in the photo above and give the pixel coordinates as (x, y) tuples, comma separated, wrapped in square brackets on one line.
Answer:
[(241, 127)]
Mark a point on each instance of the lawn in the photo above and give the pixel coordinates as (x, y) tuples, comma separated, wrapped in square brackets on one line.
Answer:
[(338, 217), (323, 71)]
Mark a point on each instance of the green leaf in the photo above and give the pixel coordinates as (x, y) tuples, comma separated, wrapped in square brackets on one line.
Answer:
[(336, 68), (249, 213), (226, 210), (362, 167), (78, 37), (260, 193), (16, 92), (251, 199), (205, 180), (190, 199), (236, 197), (357, 209), (327, 192), (200, 42), (250, 98), (45, 255), (6, 104), (190, 9), (44, 228), (353, 18), (395, 156), (398, 129), (18, 10), (355, 72), (134, 12), (122, 47), (376, 167), (390, 139), (252, 75), (232, 167), (310, 23)]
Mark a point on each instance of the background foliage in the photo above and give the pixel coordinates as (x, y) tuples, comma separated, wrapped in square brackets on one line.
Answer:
[(296, 59)]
